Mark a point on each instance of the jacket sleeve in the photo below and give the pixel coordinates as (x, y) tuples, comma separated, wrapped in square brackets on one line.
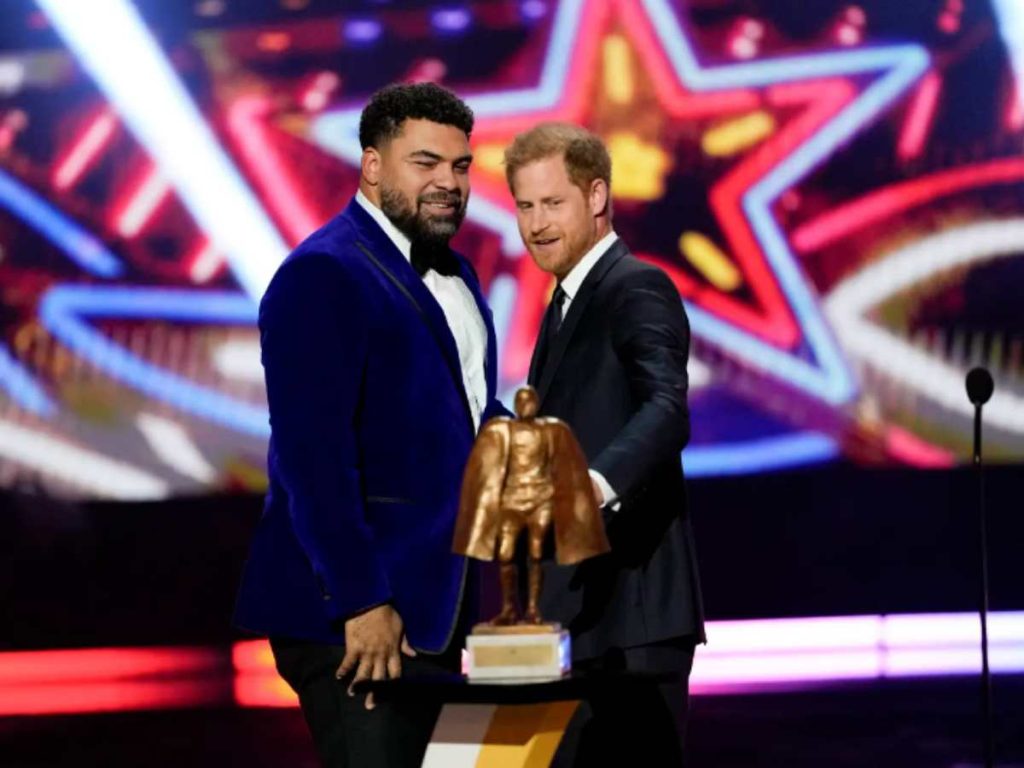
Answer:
[(651, 336), (313, 337)]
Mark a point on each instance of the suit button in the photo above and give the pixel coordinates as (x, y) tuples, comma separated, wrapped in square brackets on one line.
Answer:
[(326, 596)]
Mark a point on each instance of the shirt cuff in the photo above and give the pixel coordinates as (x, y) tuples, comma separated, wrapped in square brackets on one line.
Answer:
[(611, 498)]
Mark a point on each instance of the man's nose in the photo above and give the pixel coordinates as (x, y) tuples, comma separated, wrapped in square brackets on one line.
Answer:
[(444, 177), (538, 222)]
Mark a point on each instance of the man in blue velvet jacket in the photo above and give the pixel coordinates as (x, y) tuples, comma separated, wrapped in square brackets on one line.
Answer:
[(380, 362)]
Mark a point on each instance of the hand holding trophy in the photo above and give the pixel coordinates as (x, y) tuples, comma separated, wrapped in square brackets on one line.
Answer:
[(525, 473)]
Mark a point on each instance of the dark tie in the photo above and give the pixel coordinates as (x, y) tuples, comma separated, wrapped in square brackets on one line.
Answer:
[(550, 325), (426, 256), (557, 302)]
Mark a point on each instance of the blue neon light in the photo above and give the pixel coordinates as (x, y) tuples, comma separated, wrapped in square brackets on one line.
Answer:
[(763, 455), (84, 249), (23, 389), (63, 308)]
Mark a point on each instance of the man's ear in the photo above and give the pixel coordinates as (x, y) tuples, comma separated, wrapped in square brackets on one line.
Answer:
[(370, 165), (598, 197)]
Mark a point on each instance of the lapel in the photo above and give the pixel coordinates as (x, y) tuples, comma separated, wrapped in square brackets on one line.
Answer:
[(385, 256), (572, 317)]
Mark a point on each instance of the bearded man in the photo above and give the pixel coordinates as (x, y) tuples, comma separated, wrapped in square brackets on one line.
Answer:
[(380, 363)]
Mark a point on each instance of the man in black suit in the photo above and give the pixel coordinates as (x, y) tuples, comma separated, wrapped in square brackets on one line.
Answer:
[(611, 360)]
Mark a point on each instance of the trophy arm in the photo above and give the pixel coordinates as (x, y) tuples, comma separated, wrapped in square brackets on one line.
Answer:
[(579, 529), (477, 525)]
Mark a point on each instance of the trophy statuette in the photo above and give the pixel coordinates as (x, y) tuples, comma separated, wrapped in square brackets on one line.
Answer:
[(527, 473)]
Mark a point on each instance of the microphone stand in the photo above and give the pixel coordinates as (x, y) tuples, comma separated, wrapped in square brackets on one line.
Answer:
[(986, 673)]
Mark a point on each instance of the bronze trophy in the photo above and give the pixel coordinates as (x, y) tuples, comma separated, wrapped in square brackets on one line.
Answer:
[(525, 473)]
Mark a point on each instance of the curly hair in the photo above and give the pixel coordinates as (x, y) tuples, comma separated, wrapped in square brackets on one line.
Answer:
[(392, 105)]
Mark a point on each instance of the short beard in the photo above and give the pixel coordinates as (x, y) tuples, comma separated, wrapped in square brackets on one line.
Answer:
[(418, 225)]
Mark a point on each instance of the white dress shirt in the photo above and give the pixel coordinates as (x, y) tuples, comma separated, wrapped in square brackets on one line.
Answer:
[(571, 285), (460, 310), (573, 281)]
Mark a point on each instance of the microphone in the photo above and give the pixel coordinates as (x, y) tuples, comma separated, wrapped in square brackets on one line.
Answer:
[(979, 385)]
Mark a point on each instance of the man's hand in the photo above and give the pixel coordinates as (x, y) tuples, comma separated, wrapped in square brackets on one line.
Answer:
[(374, 642), (598, 493)]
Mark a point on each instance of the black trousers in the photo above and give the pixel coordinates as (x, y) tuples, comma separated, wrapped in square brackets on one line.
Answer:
[(647, 728), (394, 734)]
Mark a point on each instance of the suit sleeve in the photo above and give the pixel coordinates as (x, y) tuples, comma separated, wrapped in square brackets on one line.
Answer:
[(651, 336), (314, 345)]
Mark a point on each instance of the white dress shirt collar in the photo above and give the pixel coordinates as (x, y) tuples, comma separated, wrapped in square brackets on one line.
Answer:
[(572, 282), (402, 243)]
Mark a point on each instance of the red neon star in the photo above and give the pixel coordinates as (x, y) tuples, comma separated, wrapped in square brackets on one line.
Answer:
[(763, 310)]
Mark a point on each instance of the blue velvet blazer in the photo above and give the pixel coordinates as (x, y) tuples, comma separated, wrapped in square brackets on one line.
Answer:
[(370, 432)]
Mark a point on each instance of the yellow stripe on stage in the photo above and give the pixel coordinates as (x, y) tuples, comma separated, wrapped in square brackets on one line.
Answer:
[(525, 735)]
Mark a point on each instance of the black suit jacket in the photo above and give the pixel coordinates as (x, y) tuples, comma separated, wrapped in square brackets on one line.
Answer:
[(616, 373)]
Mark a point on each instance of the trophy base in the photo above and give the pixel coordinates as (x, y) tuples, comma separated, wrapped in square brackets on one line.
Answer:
[(519, 653)]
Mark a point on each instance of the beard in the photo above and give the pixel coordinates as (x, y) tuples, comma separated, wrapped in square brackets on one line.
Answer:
[(418, 223), (575, 244)]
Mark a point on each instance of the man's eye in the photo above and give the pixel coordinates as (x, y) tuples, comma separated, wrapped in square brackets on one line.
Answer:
[(425, 164)]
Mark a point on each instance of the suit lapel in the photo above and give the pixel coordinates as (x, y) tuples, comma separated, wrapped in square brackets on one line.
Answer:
[(379, 248), (572, 317)]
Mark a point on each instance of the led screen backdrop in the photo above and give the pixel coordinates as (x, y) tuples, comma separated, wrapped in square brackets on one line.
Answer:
[(837, 191)]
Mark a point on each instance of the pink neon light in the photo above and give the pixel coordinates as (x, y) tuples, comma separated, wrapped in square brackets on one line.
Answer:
[(742, 656), (84, 150), (137, 208), (908, 447), (317, 94), (949, 22), (792, 635), (890, 201), (109, 680), (931, 630), (205, 262), (245, 123), (130, 696), (769, 654), (13, 123), (919, 117), (746, 669), (848, 34), (7, 135), (952, 661), (1015, 111), (34, 667)]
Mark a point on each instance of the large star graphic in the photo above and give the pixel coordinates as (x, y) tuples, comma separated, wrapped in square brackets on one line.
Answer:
[(778, 329)]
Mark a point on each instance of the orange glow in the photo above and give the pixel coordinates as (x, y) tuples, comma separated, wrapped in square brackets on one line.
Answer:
[(257, 683), (275, 42)]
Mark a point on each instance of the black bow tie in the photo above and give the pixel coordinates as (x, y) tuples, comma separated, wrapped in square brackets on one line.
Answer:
[(425, 256)]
